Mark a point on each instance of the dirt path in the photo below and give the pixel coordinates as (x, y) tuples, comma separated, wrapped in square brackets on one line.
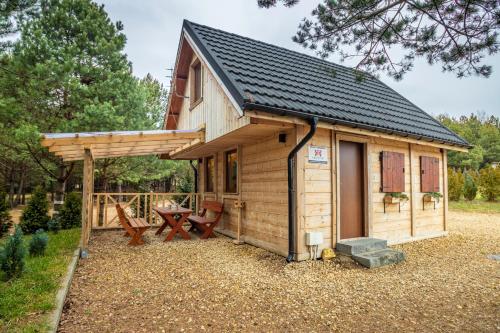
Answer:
[(445, 285)]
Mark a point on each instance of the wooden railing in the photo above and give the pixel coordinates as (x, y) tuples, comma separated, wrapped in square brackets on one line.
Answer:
[(136, 205)]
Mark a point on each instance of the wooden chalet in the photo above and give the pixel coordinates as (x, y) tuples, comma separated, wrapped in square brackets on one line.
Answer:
[(294, 147)]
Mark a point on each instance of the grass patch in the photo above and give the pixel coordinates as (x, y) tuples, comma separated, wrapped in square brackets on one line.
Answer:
[(25, 302), (475, 206)]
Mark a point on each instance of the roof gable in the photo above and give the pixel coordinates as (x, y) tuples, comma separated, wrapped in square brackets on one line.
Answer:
[(261, 76)]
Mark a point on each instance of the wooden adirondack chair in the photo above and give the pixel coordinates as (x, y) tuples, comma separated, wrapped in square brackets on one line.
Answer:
[(204, 224), (134, 227)]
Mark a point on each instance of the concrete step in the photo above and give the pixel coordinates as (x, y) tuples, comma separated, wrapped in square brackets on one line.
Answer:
[(360, 245), (379, 258)]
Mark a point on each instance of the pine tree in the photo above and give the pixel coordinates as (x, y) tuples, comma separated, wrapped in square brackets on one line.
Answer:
[(470, 188), (71, 213), (457, 34), (68, 72), (5, 221), (36, 214), (12, 12), (38, 243), (12, 256)]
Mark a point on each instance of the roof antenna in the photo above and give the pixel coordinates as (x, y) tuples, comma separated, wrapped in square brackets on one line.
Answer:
[(173, 87), (171, 72)]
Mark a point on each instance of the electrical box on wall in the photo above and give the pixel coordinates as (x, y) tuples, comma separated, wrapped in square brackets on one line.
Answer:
[(314, 238)]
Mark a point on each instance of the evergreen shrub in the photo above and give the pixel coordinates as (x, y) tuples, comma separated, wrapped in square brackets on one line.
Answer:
[(12, 257), (70, 215), (38, 243), (36, 214)]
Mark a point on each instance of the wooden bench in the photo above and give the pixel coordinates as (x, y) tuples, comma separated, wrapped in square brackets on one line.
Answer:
[(202, 222), (134, 227)]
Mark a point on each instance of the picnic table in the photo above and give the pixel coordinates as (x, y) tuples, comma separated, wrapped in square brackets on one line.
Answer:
[(175, 218)]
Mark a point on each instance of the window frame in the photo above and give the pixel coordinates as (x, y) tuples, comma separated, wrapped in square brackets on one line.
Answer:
[(225, 169), (207, 174), (193, 69)]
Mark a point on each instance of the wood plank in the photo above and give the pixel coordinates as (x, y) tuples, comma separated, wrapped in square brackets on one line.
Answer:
[(445, 190), (369, 189), (413, 187), (60, 139), (333, 198)]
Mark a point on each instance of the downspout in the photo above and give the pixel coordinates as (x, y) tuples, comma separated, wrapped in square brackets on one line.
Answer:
[(292, 198)]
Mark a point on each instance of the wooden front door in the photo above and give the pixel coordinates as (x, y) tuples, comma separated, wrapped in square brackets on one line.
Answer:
[(352, 186)]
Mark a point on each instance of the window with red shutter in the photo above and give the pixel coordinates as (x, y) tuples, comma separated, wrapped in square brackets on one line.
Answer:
[(429, 174), (393, 171)]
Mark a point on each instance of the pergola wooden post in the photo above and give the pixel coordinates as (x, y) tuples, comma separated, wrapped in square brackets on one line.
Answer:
[(87, 200)]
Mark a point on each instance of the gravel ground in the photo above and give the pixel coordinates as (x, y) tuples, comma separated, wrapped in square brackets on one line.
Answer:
[(446, 284)]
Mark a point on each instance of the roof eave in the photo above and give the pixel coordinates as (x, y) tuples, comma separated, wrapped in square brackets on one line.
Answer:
[(303, 115), (174, 74)]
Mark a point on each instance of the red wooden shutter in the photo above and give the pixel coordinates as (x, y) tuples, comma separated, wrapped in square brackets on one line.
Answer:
[(425, 175), (386, 167), (429, 174), (399, 173), (393, 176)]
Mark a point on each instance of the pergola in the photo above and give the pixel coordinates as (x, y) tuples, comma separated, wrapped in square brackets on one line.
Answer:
[(89, 146)]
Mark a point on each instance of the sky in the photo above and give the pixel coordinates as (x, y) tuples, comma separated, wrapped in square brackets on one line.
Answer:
[(153, 28)]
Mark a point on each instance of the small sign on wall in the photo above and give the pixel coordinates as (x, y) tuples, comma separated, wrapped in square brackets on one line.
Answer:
[(318, 154)]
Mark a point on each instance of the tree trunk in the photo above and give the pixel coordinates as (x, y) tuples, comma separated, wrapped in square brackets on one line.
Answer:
[(119, 190), (60, 189), (11, 189), (20, 189)]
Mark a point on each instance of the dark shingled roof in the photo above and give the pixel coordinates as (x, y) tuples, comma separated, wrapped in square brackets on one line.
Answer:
[(261, 76)]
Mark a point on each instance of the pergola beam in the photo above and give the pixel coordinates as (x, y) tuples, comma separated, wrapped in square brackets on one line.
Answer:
[(49, 140), (98, 146), (104, 151), (72, 146), (190, 145), (117, 154)]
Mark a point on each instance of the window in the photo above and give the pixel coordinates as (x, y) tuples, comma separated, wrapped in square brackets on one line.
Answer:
[(429, 174), (196, 83), (231, 171), (209, 174), (393, 172)]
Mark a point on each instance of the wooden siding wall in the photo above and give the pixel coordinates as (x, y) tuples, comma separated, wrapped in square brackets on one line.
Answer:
[(396, 226), (215, 110), (314, 198), (428, 222), (392, 224), (317, 196), (265, 191), (263, 188)]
